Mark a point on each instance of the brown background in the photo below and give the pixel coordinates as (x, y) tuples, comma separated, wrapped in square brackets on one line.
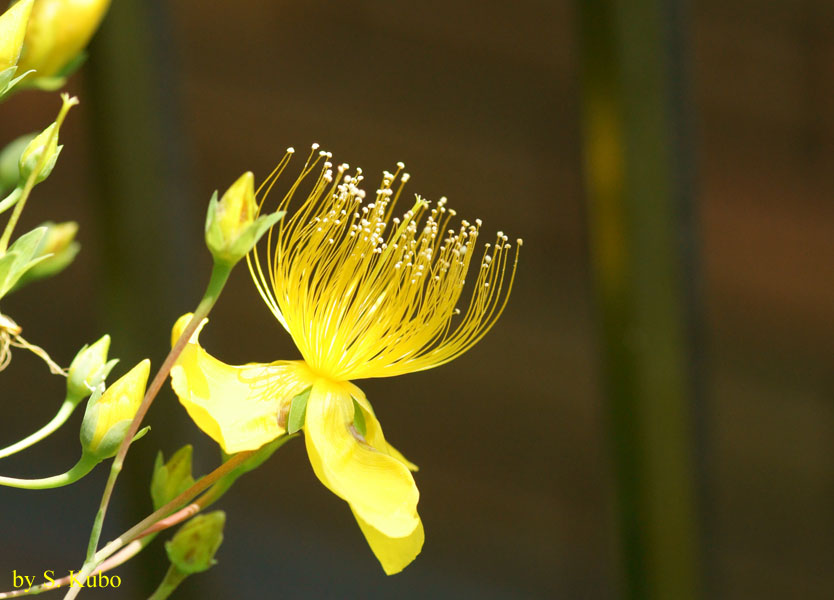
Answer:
[(480, 101)]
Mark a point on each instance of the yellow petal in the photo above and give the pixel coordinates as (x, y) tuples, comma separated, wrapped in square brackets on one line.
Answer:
[(379, 488), (394, 554), (237, 406), (58, 30), (12, 29), (373, 430)]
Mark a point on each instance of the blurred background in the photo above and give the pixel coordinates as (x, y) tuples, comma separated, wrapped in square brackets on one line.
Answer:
[(516, 440)]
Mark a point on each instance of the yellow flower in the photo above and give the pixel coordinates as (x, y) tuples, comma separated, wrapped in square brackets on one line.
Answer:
[(58, 31), (363, 294)]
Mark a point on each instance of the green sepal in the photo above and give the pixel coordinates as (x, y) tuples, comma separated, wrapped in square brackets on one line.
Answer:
[(298, 411), (112, 439), (77, 395), (212, 209), (6, 76), (6, 81), (141, 433), (231, 251), (110, 442), (359, 418)]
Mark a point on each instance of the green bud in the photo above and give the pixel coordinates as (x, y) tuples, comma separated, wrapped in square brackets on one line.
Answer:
[(109, 414), (89, 369), (45, 146), (44, 142), (193, 547), (172, 478), (57, 249), (233, 226)]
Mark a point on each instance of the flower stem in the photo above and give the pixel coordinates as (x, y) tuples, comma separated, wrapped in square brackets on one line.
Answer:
[(219, 276), (11, 199), (131, 542), (84, 465), (59, 419), (172, 579), (137, 530)]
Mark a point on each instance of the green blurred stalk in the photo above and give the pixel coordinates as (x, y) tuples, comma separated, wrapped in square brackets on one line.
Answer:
[(639, 200)]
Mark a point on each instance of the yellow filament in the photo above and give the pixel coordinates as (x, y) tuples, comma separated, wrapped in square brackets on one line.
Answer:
[(364, 294)]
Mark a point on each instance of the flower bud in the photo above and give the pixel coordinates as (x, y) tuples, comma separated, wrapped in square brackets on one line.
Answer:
[(31, 157), (56, 251), (45, 142), (172, 478), (237, 208), (12, 30), (89, 369), (232, 224), (109, 414), (58, 31), (228, 219), (193, 548)]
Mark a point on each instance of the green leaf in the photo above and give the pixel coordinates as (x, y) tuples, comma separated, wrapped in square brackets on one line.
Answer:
[(19, 258), (359, 418), (27, 244), (6, 262), (298, 411)]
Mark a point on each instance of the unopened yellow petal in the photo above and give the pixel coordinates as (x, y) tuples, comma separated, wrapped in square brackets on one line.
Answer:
[(58, 30), (12, 29), (394, 554), (237, 406), (379, 488)]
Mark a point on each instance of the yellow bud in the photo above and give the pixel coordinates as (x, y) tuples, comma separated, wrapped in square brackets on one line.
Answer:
[(233, 225), (12, 30), (58, 237), (108, 416), (237, 208), (58, 30)]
